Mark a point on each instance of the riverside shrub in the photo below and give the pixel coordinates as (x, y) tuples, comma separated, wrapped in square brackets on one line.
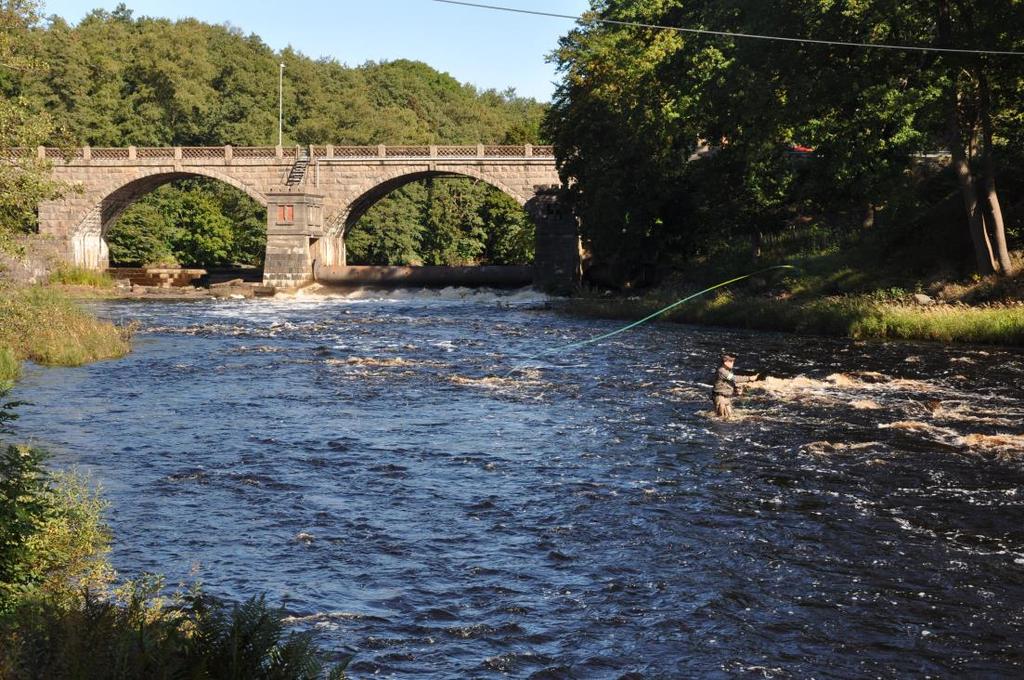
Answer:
[(23, 510), (69, 550), (53, 541), (203, 638)]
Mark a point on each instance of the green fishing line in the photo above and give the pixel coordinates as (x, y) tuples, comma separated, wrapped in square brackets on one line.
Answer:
[(575, 345)]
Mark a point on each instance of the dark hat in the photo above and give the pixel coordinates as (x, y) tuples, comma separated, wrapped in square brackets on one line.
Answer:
[(727, 357)]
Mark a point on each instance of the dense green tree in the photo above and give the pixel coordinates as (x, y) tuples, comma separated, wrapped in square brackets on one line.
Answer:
[(24, 178), (390, 231), (449, 221), (192, 223), (622, 139), (23, 481), (115, 79), (248, 222), (202, 234), (143, 235), (979, 94), (511, 235), (453, 230), (633, 103)]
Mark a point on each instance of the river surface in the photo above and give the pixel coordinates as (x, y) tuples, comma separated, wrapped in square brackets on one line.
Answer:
[(365, 463)]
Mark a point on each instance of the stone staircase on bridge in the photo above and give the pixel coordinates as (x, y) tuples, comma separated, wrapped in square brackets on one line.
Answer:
[(298, 172)]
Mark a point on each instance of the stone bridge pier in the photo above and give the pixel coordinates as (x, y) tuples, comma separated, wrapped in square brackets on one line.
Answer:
[(294, 231), (313, 195)]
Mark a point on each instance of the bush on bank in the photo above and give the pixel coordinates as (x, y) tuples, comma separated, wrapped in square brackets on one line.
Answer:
[(45, 326), (200, 638), (53, 542)]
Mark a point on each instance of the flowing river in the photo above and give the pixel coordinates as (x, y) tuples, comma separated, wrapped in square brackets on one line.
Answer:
[(365, 462)]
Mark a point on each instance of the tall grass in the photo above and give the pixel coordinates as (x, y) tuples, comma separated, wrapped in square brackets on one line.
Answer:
[(79, 276), (995, 326), (10, 368), (45, 326)]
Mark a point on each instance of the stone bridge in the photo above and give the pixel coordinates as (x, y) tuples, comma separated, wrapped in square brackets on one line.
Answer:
[(312, 195)]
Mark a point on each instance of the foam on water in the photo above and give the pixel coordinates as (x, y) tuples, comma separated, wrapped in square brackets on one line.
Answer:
[(373, 362), (427, 296), (841, 385)]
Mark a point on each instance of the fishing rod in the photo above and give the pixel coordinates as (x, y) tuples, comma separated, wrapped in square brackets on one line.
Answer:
[(576, 345)]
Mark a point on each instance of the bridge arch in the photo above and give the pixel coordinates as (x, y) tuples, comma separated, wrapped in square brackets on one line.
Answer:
[(370, 192), (88, 245)]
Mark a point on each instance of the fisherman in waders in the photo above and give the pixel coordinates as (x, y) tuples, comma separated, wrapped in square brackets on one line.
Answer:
[(727, 386)]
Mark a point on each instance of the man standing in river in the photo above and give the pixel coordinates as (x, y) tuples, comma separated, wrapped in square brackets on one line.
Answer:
[(727, 385)]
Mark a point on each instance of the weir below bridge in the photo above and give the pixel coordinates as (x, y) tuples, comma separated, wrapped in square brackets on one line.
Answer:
[(312, 195)]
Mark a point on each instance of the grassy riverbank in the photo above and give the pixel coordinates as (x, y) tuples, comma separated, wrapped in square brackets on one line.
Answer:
[(866, 290), (854, 316), (42, 324)]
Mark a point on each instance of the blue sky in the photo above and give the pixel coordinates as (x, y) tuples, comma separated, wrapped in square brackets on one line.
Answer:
[(486, 48)]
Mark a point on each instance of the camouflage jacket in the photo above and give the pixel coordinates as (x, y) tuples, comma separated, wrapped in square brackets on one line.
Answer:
[(726, 382)]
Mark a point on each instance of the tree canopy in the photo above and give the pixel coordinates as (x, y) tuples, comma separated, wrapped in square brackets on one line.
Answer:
[(193, 222), (24, 179), (791, 128), (115, 79)]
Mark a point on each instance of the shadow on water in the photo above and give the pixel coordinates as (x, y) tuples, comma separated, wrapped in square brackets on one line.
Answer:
[(363, 461)]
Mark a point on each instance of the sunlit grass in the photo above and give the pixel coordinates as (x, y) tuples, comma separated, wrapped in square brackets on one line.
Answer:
[(10, 368), (863, 288), (1000, 326), (45, 326), (79, 276)]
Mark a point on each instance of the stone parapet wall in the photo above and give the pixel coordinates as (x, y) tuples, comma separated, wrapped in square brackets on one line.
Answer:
[(228, 153)]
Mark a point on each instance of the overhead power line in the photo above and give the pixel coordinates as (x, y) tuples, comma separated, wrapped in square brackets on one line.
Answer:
[(732, 34)]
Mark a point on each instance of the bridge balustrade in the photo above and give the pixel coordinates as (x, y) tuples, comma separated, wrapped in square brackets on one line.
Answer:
[(112, 154), (320, 152), (254, 151)]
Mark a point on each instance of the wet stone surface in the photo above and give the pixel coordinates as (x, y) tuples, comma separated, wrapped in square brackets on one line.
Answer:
[(370, 466)]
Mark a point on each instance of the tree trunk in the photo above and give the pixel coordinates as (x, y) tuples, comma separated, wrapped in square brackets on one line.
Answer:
[(969, 191), (966, 182), (993, 211), (869, 217)]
